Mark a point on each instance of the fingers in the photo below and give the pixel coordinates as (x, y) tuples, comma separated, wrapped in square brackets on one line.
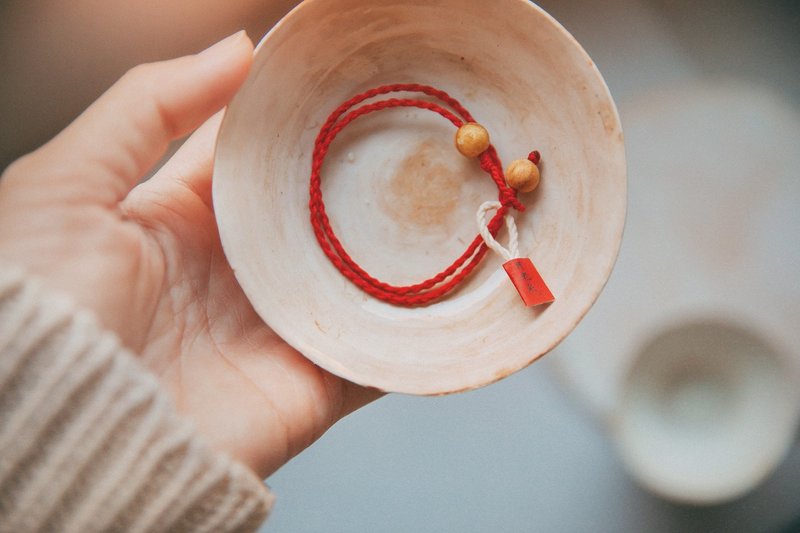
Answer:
[(106, 150), (190, 167)]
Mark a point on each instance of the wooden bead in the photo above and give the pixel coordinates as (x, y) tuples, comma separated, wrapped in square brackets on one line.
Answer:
[(472, 139), (522, 175)]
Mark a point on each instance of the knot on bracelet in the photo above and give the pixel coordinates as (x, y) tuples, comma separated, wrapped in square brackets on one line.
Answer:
[(509, 199)]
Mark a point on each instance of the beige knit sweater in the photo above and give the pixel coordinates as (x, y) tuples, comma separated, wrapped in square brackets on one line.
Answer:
[(90, 442)]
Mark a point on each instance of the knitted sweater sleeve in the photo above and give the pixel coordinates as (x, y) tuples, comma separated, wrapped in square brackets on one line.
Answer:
[(90, 442)]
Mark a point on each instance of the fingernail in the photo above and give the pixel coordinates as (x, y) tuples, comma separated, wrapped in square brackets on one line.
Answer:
[(224, 44)]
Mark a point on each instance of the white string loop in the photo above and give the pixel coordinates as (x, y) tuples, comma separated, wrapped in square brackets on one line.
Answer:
[(513, 247)]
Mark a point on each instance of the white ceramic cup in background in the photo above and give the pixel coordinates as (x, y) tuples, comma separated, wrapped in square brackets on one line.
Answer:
[(690, 360), (706, 410)]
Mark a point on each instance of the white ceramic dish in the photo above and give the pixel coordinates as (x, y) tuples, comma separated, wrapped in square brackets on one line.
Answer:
[(402, 199), (692, 357)]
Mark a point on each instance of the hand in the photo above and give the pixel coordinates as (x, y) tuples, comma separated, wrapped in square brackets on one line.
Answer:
[(148, 261)]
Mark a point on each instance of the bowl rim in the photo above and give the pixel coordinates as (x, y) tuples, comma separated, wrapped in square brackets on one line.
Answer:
[(329, 363)]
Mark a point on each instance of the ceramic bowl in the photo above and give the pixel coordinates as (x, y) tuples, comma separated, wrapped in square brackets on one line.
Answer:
[(707, 410), (692, 358), (403, 200)]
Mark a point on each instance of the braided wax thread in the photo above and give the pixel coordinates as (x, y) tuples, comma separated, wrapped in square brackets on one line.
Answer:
[(472, 140)]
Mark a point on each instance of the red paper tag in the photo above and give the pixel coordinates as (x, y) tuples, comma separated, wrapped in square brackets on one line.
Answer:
[(528, 282)]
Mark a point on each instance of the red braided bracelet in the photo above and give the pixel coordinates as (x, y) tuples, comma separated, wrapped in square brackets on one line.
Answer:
[(445, 281)]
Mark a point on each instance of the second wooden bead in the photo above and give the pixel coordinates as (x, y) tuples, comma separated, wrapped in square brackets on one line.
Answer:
[(522, 175)]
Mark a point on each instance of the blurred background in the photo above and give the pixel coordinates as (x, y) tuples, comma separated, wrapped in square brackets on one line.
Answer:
[(709, 96)]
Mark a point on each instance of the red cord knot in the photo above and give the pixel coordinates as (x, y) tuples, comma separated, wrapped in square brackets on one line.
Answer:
[(508, 197), (534, 157)]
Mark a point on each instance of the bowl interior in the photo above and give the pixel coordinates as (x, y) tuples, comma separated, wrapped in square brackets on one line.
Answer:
[(400, 197), (708, 409)]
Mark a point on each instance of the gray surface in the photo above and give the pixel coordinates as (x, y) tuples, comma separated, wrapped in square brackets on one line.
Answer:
[(516, 456), (521, 455)]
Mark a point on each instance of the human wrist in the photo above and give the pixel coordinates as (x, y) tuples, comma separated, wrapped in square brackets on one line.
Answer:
[(86, 414)]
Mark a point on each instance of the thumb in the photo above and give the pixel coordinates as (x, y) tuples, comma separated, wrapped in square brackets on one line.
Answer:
[(108, 148)]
